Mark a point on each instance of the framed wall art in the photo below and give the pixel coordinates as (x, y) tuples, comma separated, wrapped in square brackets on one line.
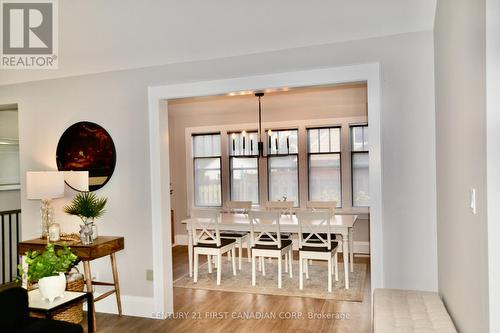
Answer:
[(86, 146)]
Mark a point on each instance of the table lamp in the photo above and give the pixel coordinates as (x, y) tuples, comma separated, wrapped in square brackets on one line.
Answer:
[(77, 180), (44, 186)]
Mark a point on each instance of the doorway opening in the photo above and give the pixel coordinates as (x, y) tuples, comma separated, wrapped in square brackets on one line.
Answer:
[(160, 146), (10, 192)]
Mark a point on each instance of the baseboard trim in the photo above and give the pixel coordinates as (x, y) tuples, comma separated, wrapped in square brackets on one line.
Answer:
[(135, 306), (360, 247), (181, 239)]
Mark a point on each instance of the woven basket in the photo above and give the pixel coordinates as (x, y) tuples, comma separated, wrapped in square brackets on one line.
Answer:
[(72, 313)]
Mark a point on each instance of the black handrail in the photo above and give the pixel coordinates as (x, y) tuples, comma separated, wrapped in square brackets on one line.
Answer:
[(10, 220)]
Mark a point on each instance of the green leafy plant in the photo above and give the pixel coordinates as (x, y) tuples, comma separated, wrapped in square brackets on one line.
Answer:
[(87, 206), (48, 263)]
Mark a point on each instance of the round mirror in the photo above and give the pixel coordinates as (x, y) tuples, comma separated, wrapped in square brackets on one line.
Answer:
[(86, 146)]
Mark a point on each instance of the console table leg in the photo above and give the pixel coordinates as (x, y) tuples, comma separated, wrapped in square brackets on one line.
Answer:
[(90, 310), (88, 282), (117, 285)]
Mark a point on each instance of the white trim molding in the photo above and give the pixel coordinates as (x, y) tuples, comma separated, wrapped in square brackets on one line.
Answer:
[(159, 157)]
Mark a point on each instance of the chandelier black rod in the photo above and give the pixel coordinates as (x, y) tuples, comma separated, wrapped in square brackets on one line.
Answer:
[(260, 144)]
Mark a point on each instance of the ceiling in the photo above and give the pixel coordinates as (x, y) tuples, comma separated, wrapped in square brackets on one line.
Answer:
[(97, 36)]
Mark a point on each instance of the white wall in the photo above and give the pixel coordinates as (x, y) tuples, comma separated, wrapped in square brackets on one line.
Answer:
[(118, 102), (493, 156), (461, 161)]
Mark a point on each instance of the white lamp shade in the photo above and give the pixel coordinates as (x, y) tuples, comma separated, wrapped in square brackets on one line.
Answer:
[(77, 180), (44, 184)]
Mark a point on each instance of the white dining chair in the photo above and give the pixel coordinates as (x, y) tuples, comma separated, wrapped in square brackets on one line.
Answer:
[(242, 207), (325, 205), (235, 207), (330, 206), (266, 243), (207, 241), (284, 207), (319, 205), (321, 248)]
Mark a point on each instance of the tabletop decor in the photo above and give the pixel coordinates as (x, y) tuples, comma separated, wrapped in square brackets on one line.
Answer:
[(72, 313), (86, 146), (44, 186), (48, 268), (70, 238), (88, 207), (54, 232)]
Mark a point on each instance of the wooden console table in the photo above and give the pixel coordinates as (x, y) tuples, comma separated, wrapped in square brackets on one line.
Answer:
[(102, 246)]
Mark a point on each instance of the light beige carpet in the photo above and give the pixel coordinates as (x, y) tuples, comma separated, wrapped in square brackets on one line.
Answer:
[(315, 286)]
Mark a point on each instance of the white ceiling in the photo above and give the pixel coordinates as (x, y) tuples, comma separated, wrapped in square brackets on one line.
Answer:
[(97, 36)]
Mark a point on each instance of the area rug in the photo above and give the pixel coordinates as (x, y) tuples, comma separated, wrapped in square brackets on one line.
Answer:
[(315, 286)]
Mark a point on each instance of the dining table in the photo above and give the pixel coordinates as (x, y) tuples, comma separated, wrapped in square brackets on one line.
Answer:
[(340, 225)]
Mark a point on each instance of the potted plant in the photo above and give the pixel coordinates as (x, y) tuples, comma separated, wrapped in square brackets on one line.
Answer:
[(88, 207), (48, 269)]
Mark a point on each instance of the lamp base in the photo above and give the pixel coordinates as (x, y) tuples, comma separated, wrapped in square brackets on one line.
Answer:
[(47, 217)]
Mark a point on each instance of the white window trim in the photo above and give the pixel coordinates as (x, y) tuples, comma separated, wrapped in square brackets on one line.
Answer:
[(341, 156), (230, 176), (302, 125), (191, 165), (350, 164)]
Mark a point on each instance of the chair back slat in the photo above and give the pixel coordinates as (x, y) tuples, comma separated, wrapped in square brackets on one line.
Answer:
[(239, 206), (205, 226), (260, 230), (284, 207), (312, 226), (322, 205)]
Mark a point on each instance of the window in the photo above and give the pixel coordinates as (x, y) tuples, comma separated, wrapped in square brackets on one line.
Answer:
[(283, 176), (359, 166), (9, 162), (207, 170), (243, 166), (324, 164)]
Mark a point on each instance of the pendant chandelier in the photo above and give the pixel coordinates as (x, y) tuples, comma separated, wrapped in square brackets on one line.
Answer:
[(261, 135), (243, 143)]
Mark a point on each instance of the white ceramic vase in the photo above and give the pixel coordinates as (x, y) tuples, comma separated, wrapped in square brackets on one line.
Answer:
[(52, 287)]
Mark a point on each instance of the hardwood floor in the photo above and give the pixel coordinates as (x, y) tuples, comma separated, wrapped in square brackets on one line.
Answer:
[(206, 310)]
